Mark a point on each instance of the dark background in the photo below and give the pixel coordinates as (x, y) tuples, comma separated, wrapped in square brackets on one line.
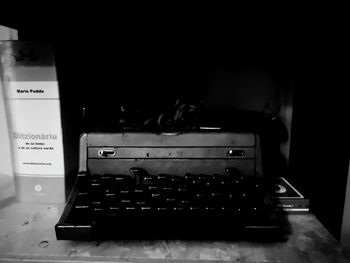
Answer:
[(151, 61)]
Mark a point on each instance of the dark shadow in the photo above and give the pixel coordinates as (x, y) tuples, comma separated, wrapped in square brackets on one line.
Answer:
[(6, 202)]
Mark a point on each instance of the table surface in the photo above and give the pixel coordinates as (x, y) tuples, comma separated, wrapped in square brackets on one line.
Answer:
[(27, 234)]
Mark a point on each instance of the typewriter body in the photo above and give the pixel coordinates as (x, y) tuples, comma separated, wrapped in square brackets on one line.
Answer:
[(204, 184)]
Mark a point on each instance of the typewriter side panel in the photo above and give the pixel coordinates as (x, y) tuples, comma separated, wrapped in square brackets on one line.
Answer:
[(83, 153), (258, 157)]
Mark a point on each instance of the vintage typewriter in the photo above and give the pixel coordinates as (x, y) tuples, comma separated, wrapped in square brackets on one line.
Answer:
[(198, 183), (146, 185)]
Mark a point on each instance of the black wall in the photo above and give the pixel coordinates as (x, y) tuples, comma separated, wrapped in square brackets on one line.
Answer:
[(320, 139)]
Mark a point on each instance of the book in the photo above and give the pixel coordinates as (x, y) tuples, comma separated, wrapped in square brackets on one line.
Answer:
[(33, 107)]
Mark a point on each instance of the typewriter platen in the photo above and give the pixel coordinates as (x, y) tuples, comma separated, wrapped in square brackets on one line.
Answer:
[(169, 185)]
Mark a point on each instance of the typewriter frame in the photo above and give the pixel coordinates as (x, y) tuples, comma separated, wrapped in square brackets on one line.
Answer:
[(175, 153)]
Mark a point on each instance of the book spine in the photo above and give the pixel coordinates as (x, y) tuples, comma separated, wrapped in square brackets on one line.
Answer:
[(34, 117)]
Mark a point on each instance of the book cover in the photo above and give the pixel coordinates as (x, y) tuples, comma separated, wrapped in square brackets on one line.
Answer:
[(33, 109)]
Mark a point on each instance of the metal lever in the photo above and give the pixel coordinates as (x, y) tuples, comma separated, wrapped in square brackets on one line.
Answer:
[(139, 173), (107, 152), (137, 170)]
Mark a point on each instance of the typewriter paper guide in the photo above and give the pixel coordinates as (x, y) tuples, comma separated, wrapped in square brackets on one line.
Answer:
[(33, 106)]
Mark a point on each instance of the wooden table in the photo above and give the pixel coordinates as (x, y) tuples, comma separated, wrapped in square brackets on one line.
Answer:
[(27, 235)]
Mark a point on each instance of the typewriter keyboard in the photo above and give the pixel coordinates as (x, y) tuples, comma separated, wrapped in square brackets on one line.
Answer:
[(143, 205)]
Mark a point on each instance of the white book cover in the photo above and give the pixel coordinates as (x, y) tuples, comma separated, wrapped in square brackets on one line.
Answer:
[(34, 119)]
